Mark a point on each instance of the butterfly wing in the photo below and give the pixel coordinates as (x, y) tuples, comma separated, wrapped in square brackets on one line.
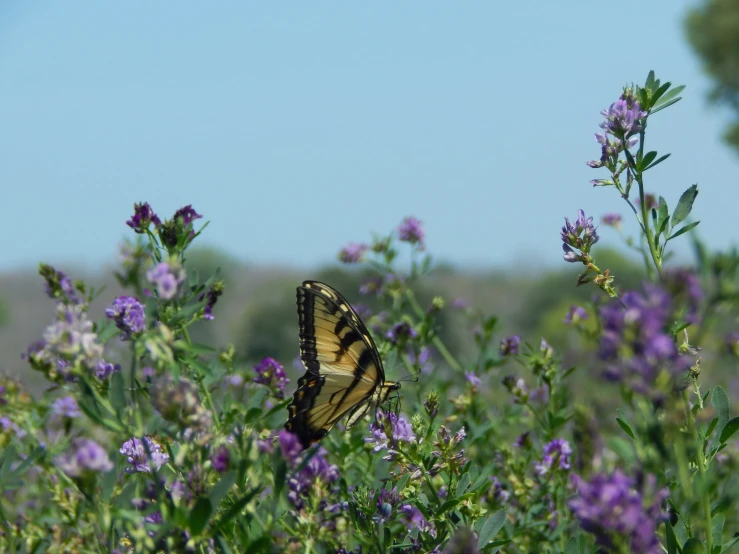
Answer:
[(343, 367)]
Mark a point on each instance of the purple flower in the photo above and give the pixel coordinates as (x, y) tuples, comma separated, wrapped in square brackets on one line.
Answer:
[(401, 332), (166, 278), (188, 215), (610, 506), (497, 493), (556, 452), (143, 456), (387, 431), (732, 343), (128, 314), (271, 373), (105, 369), (352, 253), (66, 406), (411, 230), (6, 423), (416, 520), (212, 295), (685, 286), (517, 387), (71, 337), (509, 346), (316, 470), (143, 215), (473, 379), (58, 286), (423, 361), (623, 117), (220, 459), (85, 456), (575, 314), (580, 235), (459, 304), (611, 219), (290, 446), (387, 501), (635, 342)]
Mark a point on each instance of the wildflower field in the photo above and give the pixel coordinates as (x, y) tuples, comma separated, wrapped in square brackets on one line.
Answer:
[(145, 440)]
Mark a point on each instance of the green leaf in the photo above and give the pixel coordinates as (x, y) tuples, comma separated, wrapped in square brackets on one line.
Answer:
[(624, 449), (693, 546), (720, 403), (729, 429), (403, 482), (117, 393), (625, 427), (199, 515), (664, 216), (717, 529), (463, 483), (235, 510), (194, 278), (684, 205), (108, 484), (711, 427), (6, 461), (221, 488), (671, 539), (647, 159), (684, 230), (657, 162), (35, 454), (482, 478), (576, 545), (490, 528), (668, 99)]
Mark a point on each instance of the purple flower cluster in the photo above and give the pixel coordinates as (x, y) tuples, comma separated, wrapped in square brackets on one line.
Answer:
[(509, 346), (387, 431), (496, 492), (58, 286), (271, 374), (422, 361), (166, 278), (411, 230), (574, 315), (557, 452), (387, 501), (635, 343), (611, 219), (8, 424), (401, 332), (472, 379), (188, 215), (623, 119), (610, 507), (685, 285), (105, 369), (352, 253), (143, 215), (580, 235), (85, 456), (211, 296), (221, 458), (70, 338), (128, 314), (416, 520), (66, 406), (315, 473), (143, 457)]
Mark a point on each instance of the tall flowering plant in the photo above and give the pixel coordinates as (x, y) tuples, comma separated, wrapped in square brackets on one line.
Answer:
[(146, 441)]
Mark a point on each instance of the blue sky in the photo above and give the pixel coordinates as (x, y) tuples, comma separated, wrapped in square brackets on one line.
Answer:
[(298, 128)]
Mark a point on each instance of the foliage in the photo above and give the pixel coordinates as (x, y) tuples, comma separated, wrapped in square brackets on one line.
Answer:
[(149, 441), (713, 31)]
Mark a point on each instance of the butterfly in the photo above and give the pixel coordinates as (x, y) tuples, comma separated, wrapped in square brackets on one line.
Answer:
[(344, 373)]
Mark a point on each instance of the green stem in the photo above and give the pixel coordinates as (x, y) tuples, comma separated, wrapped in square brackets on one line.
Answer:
[(436, 341), (705, 498), (648, 229)]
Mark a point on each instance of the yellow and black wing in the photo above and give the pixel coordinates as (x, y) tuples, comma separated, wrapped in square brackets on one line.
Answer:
[(343, 368)]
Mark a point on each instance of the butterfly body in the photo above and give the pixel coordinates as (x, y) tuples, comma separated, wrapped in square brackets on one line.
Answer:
[(344, 373)]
